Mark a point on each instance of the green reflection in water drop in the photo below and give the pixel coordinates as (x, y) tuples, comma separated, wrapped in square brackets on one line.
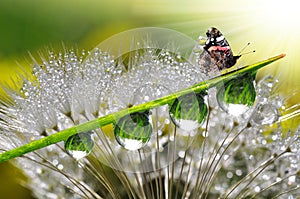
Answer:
[(133, 131), (237, 95), (189, 111), (79, 145)]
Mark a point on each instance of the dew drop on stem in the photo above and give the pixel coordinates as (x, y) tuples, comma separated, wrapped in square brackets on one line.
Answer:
[(237, 95), (133, 131), (79, 145), (189, 111)]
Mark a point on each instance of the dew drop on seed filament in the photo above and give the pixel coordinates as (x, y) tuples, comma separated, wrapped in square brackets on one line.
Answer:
[(133, 131), (79, 145), (265, 86), (237, 96), (189, 111), (265, 114)]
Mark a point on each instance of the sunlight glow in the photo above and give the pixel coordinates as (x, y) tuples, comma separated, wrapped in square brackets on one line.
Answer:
[(282, 14)]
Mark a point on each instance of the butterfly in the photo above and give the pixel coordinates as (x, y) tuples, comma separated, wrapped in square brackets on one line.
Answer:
[(217, 54)]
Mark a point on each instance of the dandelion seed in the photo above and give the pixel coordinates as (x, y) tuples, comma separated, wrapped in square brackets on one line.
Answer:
[(225, 157)]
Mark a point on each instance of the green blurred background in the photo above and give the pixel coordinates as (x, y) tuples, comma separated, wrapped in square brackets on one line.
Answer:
[(34, 25)]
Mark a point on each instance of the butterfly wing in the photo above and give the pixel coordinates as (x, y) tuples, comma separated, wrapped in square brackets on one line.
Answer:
[(218, 50)]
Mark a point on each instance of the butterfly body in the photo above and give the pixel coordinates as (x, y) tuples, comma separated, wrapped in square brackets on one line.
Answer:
[(217, 54)]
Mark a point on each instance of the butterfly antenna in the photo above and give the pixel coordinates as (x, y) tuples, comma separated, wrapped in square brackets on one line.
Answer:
[(253, 51), (239, 54)]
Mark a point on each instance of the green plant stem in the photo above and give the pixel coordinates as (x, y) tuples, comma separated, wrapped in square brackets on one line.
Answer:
[(111, 118)]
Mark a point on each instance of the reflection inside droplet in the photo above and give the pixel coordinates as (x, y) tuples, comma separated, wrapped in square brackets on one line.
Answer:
[(189, 111), (265, 86), (237, 96), (133, 131), (79, 145), (265, 114)]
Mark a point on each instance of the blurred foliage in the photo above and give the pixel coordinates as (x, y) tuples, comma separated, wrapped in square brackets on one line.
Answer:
[(34, 25), (28, 25), (10, 185)]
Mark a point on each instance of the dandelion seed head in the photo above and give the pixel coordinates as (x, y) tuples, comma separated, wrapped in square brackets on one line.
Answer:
[(226, 156)]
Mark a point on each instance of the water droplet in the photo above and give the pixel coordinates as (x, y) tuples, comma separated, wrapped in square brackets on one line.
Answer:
[(265, 86), (133, 131), (79, 145), (291, 180), (265, 114), (148, 92), (229, 174), (238, 172), (189, 111), (290, 197), (257, 189), (60, 166), (64, 122), (237, 95), (199, 45)]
